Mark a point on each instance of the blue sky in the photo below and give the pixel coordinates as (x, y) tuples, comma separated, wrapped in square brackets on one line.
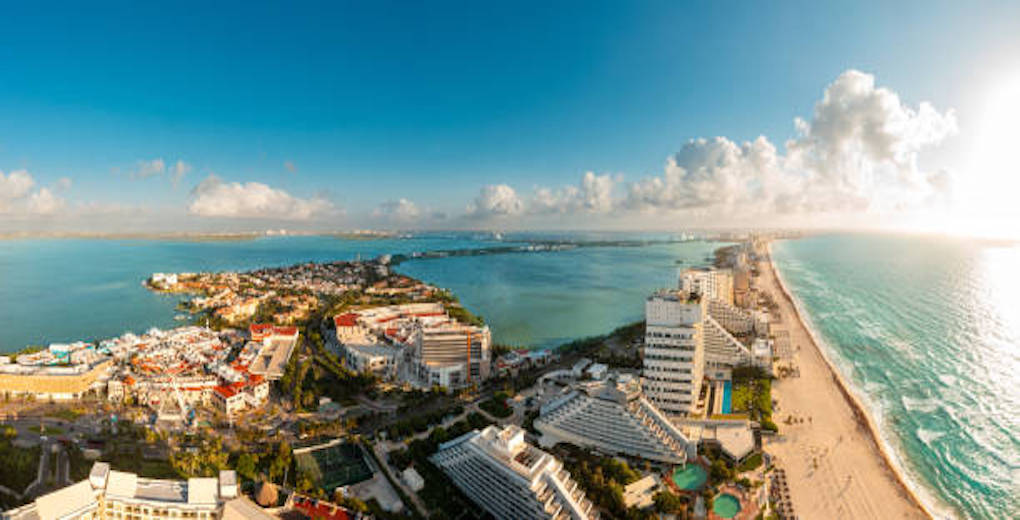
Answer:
[(432, 102)]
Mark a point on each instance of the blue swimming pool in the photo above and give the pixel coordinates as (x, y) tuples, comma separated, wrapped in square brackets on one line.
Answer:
[(726, 396)]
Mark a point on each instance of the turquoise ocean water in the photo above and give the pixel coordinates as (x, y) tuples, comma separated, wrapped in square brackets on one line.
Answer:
[(67, 290), (928, 331)]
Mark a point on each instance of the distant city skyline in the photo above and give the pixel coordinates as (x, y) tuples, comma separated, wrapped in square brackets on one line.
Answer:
[(136, 118)]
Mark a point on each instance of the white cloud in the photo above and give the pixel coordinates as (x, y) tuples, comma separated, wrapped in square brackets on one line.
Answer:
[(215, 198), (594, 194), (497, 200), (17, 198), (146, 169), (179, 170), (14, 186), (159, 168), (401, 210), (858, 152), (44, 202)]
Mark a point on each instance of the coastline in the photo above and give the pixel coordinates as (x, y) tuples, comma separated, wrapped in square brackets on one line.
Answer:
[(912, 505)]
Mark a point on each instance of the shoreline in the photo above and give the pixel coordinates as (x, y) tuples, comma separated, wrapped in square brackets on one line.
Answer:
[(861, 415)]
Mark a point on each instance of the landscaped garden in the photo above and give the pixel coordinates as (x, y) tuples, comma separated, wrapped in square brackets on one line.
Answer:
[(752, 393)]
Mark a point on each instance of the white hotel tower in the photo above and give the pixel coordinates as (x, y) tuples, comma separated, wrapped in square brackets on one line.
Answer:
[(511, 479), (674, 358)]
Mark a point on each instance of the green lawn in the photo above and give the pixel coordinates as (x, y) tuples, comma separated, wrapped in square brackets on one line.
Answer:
[(752, 462)]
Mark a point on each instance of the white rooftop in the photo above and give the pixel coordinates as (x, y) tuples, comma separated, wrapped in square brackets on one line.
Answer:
[(202, 490), (243, 509), (65, 502)]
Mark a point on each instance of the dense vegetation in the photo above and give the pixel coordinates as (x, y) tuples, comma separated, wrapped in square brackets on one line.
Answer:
[(20, 465), (496, 405), (602, 479), (442, 498)]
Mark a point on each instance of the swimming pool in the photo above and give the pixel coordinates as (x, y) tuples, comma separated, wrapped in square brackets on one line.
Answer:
[(726, 390), (690, 478), (726, 505)]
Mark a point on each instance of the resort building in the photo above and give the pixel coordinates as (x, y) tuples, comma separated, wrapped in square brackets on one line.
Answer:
[(277, 345), (418, 342), (614, 418), (732, 318), (250, 393), (722, 349), (362, 351), (509, 478), (674, 353), (116, 495), (59, 383), (450, 354), (712, 283)]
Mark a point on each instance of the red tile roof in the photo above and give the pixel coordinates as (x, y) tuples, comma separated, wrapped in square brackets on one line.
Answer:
[(225, 391), (319, 509), (285, 331), (349, 319)]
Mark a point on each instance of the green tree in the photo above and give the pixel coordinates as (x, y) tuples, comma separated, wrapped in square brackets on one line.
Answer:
[(247, 465), (666, 502)]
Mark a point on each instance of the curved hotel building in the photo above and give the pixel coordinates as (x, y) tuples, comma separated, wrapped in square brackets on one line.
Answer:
[(511, 479), (615, 418)]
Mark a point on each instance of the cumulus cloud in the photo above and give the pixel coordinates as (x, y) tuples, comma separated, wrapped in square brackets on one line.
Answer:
[(858, 152), (594, 194), (14, 186), (215, 198), (18, 199), (400, 210), (496, 200), (44, 202)]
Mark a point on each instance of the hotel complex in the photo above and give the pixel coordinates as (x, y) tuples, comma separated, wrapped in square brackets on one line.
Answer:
[(509, 478), (696, 333), (116, 495), (417, 342)]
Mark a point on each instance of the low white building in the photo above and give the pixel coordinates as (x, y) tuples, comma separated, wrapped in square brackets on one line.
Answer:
[(413, 480), (116, 495), (509, 478), (374, 357)]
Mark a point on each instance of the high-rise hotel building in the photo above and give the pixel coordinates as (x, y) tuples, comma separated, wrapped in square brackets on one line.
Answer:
[(674, 357), (511, 479)]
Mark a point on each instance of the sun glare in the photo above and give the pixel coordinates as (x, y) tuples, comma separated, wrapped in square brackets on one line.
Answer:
[(994, 165)]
